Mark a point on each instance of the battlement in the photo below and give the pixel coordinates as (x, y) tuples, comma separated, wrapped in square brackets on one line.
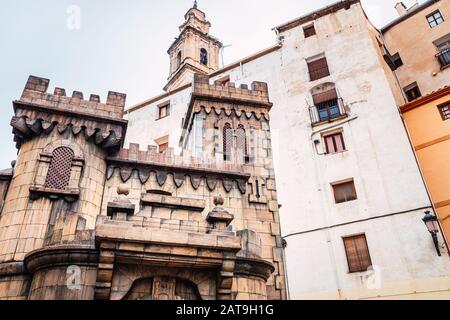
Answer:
[(35, 93), (168, 159), (258, 94)]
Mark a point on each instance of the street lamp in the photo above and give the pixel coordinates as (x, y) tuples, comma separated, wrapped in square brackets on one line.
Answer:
[(431, 222)]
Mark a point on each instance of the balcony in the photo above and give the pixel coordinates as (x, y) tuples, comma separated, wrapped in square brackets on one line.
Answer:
[(327, 111), (444, 58)]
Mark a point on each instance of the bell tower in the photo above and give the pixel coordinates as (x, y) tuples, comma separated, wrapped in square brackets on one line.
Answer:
[(193, 51)]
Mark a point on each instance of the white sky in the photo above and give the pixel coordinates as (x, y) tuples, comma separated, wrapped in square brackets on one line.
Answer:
[(122, 44)]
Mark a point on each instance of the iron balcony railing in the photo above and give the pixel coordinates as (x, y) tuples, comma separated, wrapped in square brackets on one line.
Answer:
[(444, 57), (327, 111)]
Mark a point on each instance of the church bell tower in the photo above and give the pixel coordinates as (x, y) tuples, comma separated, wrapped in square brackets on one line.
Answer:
[(193, 51)]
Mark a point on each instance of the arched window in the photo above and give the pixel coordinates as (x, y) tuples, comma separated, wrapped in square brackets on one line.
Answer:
[(204, 56), (227, 141), (58, 175), (179, 59), (241, 143)]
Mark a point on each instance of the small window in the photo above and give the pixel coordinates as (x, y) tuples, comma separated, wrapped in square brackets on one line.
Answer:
[(58, 175), (179, 58), (227, 141), (397, 60), (163, 111), (358, 255), (309, 31), (435, 19), (163, 147), (334, 143), (444, 109), (412, 92), (318, 69), (241, 143), (344, 191), (204, 57)]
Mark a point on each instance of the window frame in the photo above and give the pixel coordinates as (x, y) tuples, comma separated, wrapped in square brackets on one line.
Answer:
[(166, 105), (334, 134), (341, 183), (410, 88), (306, 31), (445, 115), (433, 15), (318, 73), (361, 268)]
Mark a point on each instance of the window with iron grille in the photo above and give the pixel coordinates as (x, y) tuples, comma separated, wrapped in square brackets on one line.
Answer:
[(227, 141), (241, 143), (412, 92), (444, 52), (334, 143), (58, 175), (318, 69), (309, 31), (344, 191), (444, 109), (358, 255), (327, 105), (435, 19)]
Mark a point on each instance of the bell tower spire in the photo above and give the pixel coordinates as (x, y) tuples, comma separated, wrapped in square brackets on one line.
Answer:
[(193, 51)]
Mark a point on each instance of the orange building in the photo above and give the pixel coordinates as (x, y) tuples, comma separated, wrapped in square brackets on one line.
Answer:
[(428, 123)]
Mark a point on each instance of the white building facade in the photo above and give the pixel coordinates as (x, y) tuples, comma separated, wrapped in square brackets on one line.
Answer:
[(351, 192)]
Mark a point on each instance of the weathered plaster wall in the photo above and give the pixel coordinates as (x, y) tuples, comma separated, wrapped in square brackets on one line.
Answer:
[(413, 39), (378, 157)]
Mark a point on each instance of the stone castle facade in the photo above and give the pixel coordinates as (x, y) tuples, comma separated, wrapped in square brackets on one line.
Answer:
[(109, 203), (134, 224)]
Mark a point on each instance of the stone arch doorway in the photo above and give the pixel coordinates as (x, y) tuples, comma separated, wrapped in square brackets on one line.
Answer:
[(163, 288)]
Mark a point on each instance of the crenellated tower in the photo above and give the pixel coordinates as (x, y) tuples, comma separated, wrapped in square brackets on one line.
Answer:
[(55, 190), (229, 125)]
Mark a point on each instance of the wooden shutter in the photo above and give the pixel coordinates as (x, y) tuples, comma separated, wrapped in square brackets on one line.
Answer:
[(58, 175), (344, 192), (325, 96), (318, 69), (309, 31), (357, 251), (334, 143)]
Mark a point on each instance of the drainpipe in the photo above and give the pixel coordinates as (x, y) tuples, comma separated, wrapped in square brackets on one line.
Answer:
[(408, 133)]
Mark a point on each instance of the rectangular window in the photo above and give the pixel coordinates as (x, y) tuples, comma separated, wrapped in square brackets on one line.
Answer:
[(344, 191), (435, 19), (163, 110), (163, 147), (318, 69), (327, 105), (443, 46), (444, 109), (334, 143), (358, 255), (412, 92), (309, 31)]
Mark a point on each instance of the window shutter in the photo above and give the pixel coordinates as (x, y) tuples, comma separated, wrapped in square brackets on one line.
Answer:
[(325, 96), (227, 141), (318, 69), (58, 175), (357, 252)]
